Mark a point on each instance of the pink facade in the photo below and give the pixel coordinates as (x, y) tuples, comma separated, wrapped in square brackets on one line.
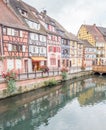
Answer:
[(14, 49), (53, 51)]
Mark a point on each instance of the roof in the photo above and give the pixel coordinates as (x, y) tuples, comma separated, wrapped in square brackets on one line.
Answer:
[(19, 4), (8, 18), (59, 28), (87, 44), (73, 37), (103, 31), (92, 29)]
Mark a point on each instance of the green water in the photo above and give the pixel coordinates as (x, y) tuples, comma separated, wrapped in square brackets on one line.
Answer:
[(79, 105)]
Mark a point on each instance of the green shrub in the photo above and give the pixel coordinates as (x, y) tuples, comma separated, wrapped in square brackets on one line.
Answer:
[(64, 75), (51, 82)]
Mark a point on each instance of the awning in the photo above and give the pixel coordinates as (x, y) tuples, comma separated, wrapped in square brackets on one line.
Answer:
[(38, 59)]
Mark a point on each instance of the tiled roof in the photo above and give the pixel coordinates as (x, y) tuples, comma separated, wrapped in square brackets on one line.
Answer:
[(92, 29), (87, 44), (35, 16), (73, 37), (8, 18), (19, 4), (48, 20), (102, 30), (61, 28)]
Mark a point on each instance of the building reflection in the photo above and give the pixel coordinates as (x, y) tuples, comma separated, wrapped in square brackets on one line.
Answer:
[(29, 111)]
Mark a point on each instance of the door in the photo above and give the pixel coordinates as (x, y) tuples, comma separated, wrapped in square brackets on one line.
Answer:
[(26, 65), (58, 63)]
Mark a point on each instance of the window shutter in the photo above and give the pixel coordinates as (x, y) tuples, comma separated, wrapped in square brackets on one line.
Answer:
[(23, 48), (9, 47), (21, 33), (54, 49)]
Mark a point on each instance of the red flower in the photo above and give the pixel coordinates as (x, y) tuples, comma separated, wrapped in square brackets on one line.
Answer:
[(9, 74)]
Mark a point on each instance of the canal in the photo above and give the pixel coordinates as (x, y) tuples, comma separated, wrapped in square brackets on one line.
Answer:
[(74, 105)]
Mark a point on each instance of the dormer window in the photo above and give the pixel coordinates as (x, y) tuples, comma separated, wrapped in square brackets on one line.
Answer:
[(51, 28), (33, 25), (52, 23), (60, 32), (23, 12)]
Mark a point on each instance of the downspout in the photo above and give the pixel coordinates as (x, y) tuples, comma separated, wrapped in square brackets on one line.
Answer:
[(1, 40)]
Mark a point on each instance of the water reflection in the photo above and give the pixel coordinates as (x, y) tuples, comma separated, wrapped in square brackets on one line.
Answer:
[(35, 110)]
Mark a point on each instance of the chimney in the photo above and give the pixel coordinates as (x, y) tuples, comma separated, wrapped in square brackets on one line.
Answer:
[(44, 12)]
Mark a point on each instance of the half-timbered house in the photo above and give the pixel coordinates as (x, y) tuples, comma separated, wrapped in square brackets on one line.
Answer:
[(13, 40), (37, 36), (93, 35), (89, 55), (65, 45), (53, 41)]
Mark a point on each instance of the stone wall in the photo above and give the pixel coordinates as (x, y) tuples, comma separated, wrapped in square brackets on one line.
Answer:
[(23, 86)]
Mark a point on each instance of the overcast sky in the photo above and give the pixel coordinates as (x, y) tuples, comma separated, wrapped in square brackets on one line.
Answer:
[(71, 14)]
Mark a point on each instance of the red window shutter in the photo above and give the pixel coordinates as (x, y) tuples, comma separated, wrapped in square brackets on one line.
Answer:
[(54, 49)]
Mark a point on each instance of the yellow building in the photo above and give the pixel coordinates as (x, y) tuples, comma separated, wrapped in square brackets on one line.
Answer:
[(93, 35), (76, 53)]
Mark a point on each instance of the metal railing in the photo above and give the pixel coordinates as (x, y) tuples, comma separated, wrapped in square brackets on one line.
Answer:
[(41, 74), (37, 74)]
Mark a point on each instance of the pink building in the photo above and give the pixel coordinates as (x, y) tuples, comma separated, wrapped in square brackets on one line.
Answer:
[(13, 41)]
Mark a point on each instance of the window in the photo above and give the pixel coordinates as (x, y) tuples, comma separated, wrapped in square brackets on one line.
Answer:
[(9, 47), (22, 12), (21, 33), (58, 49), (65, 51), (10, 64), (33, 49), (9, 31), (18, 64), (34, 36), (50, 48), (53, 61), (41, 50), (23, 48), (59, 39), (42, 38), (4, 31), (53, 37), (12, 32), (15, 32), (62, 41), (49, 37), (32, 24), (19, 48), (14, 47)]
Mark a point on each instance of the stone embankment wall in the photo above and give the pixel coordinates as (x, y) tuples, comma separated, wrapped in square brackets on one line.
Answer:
[(23, 86)]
